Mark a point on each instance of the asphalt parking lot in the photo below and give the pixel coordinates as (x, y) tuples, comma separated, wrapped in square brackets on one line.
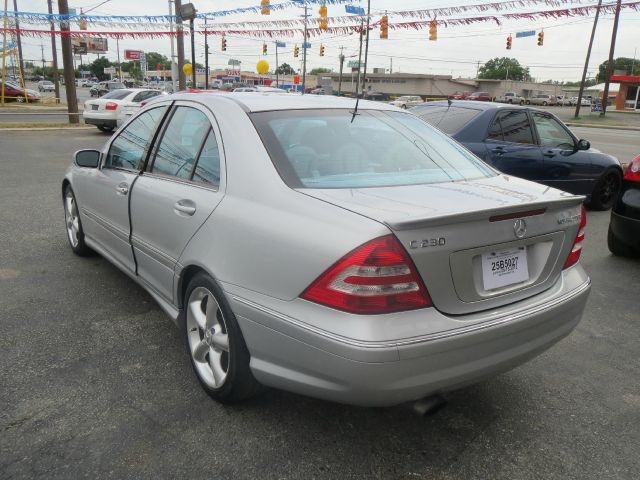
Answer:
[(95, 382)]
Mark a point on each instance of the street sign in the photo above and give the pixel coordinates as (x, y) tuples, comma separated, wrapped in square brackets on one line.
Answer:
[(528, 33), (354, 10), (80, 49), (354, 64), (234, 62), (109, 70), (133, 54), (280, 44)]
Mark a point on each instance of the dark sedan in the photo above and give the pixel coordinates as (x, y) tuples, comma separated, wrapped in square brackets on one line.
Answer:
[(624, 228), (529, 143)]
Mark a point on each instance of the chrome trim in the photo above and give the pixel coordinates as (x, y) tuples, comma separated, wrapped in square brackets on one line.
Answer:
[(181, 181), (157, 255), (424, 338), (117, 231)]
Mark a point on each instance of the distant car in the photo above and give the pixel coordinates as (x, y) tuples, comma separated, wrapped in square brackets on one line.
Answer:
[(407, 101), (511, 98), (244, 89), (376, 96), (15, 93), (480, 97), (459, 95), (623, 237), (572, 101), (531, 144), (46, 86), (543, 99), (114, 108), (99, 89)]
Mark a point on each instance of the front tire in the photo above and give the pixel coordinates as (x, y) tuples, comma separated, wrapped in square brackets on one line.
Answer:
[(606, 190), (75, 233), (218, 353)]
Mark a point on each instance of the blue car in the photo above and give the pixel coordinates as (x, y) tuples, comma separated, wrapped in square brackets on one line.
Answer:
[(529, 143)]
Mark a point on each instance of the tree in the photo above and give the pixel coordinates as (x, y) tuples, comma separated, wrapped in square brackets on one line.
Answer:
[(285, 69), (155, 58), (588, 83), (97, 67), (630, 65), (503, 69), (319, 71)]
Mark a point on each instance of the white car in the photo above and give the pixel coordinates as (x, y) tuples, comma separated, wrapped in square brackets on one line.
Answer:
[(116, 107), (407, 101), (574, 101), (46, 86)]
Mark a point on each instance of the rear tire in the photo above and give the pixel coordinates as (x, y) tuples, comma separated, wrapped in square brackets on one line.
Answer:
[(618, 248), (105, 128), (606, 190), (214, 342)]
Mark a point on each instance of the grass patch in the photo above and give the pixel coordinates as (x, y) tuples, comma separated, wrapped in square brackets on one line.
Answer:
[(4, 125)]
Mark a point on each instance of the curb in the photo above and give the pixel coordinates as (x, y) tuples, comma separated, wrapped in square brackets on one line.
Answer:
[(606, 127), (31, 129)]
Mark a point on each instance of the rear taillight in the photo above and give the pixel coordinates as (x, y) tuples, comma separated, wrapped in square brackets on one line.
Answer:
[(111, 106), (377, 277), (633, 170), (576, 249)]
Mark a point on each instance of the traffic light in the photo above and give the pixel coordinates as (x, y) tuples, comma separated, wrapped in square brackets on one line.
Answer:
[(540, 39), (223, 44), (295, 51), (509, 40), (321, 50), (384, 27), (265, 10), (323, 17), (433, 30), (264, 48)]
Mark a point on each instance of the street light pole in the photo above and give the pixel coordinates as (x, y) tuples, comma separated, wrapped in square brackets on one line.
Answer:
[(614, 34), (182, 81), (304, 49), (54, 53), (193, 54), (19, 43), (206, 57), (586, 62)]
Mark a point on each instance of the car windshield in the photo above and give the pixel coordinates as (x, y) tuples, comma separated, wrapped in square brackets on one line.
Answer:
[(117, 94), (335, 149), (448, 119), (115, 85)]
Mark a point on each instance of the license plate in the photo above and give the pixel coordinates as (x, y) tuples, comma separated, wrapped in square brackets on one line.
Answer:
[(504, 267), (94, 107)]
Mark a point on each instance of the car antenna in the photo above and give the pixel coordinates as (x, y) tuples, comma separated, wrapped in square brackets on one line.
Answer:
[(366, 53)]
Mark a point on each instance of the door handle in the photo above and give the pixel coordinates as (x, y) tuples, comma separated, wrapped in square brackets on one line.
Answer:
[(498, 150), (549, 153), (186, 207), (122, 188)]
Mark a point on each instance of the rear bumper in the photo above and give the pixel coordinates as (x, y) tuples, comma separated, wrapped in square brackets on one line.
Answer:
[(626, 230), (107, 122), (322, 365)]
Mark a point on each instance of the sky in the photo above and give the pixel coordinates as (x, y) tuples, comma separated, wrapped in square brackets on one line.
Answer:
[(456, 52)]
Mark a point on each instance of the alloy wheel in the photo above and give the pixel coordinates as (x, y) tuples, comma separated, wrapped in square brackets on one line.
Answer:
[(608, 188), (207, 337), (71, 218)]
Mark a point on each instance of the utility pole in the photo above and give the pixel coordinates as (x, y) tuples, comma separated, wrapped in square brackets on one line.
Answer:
[(277, 76), (193, 54), (42, 51), (341, 57), (54, 54), (119, 64), (206, 57), (586, 62), (182, 81), (391, 66), (478, 69), (614, 34), (67, 60), (173, 53), (359, 59), (304, 50), (19, 43)]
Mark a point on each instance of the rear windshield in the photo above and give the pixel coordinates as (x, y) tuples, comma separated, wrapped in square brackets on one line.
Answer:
[(117, 94), (448, 119), (335, 149)]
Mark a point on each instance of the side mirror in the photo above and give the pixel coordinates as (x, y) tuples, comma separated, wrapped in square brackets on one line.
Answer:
[(87, 158), (584, 144)]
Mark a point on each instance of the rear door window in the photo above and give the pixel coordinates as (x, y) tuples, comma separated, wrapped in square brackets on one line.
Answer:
[(181, 143), (516, 127), (142, 96)]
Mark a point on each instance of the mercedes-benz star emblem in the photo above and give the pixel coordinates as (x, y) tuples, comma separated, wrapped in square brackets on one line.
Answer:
[(520, 228)]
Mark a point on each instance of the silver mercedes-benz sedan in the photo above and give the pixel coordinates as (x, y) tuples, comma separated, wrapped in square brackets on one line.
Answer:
[(355, 255)]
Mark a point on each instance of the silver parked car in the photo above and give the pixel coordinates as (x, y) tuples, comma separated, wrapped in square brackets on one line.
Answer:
[(358, 256)]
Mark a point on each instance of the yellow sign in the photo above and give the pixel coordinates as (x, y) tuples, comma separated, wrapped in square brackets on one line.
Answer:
[(262, 67), (187, 69)]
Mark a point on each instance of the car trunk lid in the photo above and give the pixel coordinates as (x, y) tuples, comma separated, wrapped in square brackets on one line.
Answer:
[(477, 244)]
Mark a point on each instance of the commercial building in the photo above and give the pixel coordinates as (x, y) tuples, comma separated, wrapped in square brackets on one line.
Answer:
[(628, 97)]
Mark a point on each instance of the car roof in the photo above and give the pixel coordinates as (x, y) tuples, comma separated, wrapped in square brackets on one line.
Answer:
[(484, 106), (269, 101)]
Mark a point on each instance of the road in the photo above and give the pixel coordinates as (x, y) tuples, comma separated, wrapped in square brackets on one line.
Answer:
[(95, 382), (622, 144)]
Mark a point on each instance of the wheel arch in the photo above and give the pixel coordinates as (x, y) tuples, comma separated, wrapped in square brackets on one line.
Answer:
[(65, 183), (185, 276)]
